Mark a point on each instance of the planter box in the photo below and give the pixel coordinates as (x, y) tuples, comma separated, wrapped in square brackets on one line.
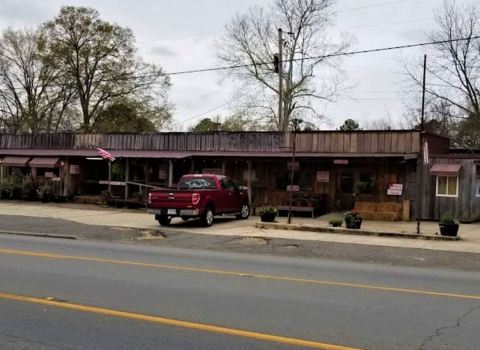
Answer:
[(449, 229), (268, 217), (353, 224)]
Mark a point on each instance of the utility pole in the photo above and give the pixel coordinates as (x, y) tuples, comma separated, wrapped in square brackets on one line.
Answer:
[(422, 142), (280, 80), (296, 123)]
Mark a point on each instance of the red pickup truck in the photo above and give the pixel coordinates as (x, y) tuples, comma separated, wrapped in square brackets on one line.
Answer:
[(199, 196)]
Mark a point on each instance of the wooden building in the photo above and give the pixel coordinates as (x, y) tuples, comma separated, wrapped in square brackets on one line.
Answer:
[(373, 171)]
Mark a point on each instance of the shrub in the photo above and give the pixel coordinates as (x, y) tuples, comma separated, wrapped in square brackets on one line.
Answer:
[(448, 219), (336, 222)]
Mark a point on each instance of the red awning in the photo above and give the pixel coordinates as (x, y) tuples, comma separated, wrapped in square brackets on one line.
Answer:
[(445, 169), (44, 162), (15, 161)]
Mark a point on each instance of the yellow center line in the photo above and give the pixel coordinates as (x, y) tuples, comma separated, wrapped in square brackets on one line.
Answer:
[(240, 274), (177, 323)]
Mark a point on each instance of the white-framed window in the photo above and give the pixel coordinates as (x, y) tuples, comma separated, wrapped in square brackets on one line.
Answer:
[(447, 186)]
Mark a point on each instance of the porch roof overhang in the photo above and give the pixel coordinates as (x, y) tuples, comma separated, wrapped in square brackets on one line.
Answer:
[(44, 162), (94, 153), (445, 169), (15, 161), (186, 154), (257, 154)]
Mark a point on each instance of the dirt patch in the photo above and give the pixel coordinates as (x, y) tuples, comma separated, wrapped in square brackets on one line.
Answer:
[(290, 246)]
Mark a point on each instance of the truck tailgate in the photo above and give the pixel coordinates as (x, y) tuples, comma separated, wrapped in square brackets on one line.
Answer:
[(170, 199)]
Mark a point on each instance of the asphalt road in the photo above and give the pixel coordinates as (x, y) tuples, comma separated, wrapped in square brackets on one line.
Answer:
[(60, 294)]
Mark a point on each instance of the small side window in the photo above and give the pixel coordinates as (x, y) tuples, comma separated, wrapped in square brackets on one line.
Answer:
[(447, 186)]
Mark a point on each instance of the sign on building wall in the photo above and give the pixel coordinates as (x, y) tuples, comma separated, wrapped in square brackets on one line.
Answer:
[(49, 174), (74, 169), (340, 161), (395, 190), (294, 188), (162, 174), (323, 176)]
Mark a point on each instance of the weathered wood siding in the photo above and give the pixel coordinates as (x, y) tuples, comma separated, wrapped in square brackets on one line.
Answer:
[(466, 206), (402, 142)]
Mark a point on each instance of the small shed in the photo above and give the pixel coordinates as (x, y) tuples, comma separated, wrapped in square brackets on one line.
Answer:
[(451, 185)]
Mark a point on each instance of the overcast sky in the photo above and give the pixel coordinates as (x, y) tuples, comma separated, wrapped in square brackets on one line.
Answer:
[(179, 35)]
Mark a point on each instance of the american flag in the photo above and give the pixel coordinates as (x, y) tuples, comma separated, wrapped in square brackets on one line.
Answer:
[(105, 154)]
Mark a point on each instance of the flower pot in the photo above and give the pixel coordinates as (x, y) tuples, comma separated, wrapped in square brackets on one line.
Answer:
[(449, 229), (354, 224), (268, 217)]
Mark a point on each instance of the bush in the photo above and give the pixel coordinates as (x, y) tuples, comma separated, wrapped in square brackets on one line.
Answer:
[(336, 222)]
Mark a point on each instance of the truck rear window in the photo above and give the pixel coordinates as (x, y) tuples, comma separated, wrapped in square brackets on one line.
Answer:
[(196, 183)]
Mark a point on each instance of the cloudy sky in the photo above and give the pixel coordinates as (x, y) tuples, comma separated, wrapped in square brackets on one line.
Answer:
[(179, 35)]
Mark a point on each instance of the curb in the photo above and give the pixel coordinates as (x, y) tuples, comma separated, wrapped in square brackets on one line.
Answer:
[(345, 231), (37, 234)]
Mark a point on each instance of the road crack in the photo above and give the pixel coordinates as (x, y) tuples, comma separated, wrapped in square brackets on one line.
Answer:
[(444, 329), (16, 338)]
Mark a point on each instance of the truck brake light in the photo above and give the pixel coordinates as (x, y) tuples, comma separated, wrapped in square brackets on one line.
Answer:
[(195, 198)]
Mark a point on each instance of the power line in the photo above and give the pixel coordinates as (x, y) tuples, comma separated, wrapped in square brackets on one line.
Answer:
[(373, 5), (350, 53)]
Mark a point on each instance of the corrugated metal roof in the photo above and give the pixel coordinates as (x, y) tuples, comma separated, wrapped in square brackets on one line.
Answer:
[(44, 162), (186, 154), (445, 169)]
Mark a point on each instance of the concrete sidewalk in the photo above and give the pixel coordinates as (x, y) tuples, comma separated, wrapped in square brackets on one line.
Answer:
[(96, 215)]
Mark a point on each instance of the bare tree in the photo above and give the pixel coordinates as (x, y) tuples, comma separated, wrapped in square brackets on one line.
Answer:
[(251, 43), (31, 98), (453, 68), (100, 59)]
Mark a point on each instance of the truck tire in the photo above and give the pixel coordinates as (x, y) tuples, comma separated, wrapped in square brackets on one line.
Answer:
[(207, 217), (164, 220), (244, 212)]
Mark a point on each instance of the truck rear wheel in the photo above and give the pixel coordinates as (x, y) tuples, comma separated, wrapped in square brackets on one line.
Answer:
[(244, 212), (164, 220), (207, 217)]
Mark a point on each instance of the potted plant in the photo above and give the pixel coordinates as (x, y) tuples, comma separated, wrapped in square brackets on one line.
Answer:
[(336, 222), (45, 193), (268, 214), (353, 219), (448, 225)]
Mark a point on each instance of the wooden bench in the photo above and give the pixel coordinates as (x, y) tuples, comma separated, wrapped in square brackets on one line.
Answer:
[(297, 209)]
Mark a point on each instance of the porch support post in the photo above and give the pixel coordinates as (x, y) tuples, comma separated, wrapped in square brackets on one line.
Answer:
[(110, 177), (1, 178), (249, 181), (192, 166), (223, 167), (170, 173), (127, 175)]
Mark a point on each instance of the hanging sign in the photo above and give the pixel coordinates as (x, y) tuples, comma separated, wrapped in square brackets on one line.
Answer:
[(323, 176), (74, 169)]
